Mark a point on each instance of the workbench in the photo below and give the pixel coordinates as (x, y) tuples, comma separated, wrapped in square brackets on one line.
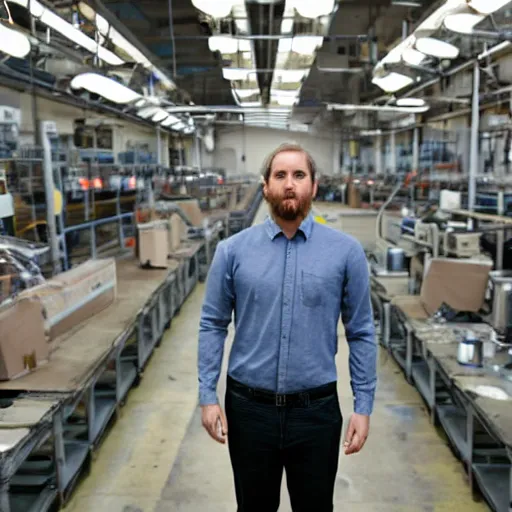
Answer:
[(55, 416), (479, 428)]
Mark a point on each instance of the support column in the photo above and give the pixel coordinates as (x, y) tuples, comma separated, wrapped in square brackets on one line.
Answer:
[(48, 129), (473, 155), (377, 146), (392, 143), (198, 152), (416, 150)]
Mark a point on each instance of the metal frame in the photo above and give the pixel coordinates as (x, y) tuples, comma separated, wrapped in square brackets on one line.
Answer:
[(487, 461)]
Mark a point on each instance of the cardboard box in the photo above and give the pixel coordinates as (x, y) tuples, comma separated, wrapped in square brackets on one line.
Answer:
[(461, 284), (72, 297), (23, 345), (178, 232), (154, 243)]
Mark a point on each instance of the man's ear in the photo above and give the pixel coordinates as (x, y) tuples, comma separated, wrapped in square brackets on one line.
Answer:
[(315, 188)]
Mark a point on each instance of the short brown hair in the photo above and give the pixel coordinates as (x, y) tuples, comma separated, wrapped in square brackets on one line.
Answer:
[(289, 146)]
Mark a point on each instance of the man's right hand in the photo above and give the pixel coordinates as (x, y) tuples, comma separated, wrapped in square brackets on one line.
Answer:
[(214, 422)]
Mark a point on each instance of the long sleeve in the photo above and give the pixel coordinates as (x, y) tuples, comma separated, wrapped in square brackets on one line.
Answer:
[(216, 315), (357, 316)]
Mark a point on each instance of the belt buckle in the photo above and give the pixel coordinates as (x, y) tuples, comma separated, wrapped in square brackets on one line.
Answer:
[(280, 400)]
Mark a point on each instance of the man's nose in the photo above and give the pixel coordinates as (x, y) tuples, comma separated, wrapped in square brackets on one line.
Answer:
[(289, 182)]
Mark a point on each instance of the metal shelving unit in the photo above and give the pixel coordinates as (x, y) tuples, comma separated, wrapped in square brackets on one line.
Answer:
[(494, 481)]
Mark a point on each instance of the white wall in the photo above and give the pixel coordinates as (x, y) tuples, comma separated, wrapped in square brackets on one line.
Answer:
[(233, 142)]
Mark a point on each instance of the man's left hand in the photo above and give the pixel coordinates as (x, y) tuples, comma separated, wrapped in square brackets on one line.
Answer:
[(357, 433)]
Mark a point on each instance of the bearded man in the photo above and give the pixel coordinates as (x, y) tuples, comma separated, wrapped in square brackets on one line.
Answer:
[(287, 280)]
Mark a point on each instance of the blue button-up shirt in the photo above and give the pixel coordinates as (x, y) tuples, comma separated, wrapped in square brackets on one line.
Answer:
[(287, 297)]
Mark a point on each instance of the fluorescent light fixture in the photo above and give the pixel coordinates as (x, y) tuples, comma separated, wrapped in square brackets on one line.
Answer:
[(306, 45), (55, 22), (215, 8), (406, 3), (246, 93), (283, 93), (413, 57), (462, 23), (159, 116), (378, 108), (487, 6), (285, 101), (13, 43), (105, 87), (170, 120), (107, 31), (178, 126), (227, 44), (392, 82), (313, 8), (237, 73), (410, 102), (290, 76), (437, 48)]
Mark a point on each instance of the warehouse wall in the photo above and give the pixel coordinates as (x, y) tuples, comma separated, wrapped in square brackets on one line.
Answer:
[(235, 142), (64, 116)]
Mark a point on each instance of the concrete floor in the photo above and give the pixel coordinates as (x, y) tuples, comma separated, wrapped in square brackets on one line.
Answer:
[(157, 458)]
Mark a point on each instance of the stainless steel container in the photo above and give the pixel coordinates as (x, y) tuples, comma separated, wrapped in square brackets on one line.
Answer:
[(501, 291), (395, 259), (470, 351)]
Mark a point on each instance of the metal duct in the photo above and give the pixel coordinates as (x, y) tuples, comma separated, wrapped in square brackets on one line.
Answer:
[(265, 18)]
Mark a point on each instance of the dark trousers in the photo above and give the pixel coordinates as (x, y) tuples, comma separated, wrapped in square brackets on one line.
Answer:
[(302, 437)]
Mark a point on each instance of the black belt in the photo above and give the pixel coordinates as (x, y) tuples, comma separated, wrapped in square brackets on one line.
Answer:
[(302, 398)]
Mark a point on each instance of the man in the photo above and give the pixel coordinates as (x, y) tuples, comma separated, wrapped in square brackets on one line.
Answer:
[(287, 281)]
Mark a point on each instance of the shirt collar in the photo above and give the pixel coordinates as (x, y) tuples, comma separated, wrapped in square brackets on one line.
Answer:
[(273, 228)]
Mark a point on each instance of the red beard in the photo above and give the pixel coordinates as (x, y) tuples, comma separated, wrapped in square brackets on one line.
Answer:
[(290, 207)]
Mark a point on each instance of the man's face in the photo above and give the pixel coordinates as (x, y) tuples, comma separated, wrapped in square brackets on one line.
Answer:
[(290, 190)]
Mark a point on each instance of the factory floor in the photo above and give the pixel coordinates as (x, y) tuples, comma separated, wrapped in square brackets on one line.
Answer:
[(157, 457)]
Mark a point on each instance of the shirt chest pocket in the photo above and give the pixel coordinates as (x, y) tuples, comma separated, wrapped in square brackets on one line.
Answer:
[(315, 290)]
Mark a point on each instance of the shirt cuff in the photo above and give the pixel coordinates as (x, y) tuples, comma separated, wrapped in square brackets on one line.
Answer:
[(363, 404), (208, 397)]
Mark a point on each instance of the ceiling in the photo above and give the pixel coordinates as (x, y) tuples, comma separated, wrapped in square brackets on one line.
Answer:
[(285, 67)]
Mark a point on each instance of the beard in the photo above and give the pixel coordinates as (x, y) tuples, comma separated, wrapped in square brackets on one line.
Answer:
[(289, 207)]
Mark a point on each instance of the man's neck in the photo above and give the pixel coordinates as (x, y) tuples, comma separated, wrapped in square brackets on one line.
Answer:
[(289, 227)]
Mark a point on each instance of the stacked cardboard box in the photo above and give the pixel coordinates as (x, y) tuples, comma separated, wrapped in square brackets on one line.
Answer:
[(74, 296), (23, 345), (45, 312)]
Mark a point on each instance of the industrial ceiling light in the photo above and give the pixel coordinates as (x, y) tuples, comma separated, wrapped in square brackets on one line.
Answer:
[(227, 44), (392, 82), (215, 8), (313, 8), (378, 108), (246, 93), (55, 22), (437, 48), (159, 116), (306, 45), (463, 23), (170, 120), (108, 31), (13, 43), (237, 73), (410, 102), (413, 57), (105, 87), (290, 76), (487, 6)]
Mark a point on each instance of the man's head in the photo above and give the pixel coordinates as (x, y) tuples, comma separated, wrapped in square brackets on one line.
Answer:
[(289, 181)]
